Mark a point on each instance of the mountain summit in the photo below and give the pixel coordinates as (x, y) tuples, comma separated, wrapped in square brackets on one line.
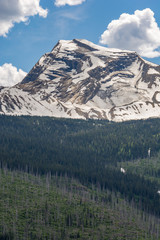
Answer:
[(79, 79)]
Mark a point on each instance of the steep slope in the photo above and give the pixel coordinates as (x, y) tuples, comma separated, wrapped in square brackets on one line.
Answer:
[(79, 79), (35, 207)]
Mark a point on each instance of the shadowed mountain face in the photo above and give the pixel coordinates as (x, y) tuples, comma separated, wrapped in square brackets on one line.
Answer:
[(79, 79)]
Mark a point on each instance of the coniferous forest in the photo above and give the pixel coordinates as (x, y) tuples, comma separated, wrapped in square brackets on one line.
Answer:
[(61, 179)]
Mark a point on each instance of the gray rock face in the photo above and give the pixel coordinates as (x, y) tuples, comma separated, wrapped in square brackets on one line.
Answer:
[(79, 79)]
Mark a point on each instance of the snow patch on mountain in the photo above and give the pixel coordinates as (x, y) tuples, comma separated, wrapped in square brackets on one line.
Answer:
[(79, 79)]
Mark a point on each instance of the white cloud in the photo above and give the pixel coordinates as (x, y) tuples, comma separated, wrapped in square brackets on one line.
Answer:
[(59, 3), (138, 32), (70, 15), (16, 11), (10, 75)]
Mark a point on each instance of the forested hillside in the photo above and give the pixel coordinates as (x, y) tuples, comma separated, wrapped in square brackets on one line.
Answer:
[(60, 208), (89, 151)]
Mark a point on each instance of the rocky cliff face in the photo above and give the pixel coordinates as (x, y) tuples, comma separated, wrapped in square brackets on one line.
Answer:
[(79, 79)]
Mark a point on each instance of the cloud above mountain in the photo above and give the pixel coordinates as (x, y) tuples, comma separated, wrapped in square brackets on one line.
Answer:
[(10, 75), (138, 32), (60, 3), (16, 11)]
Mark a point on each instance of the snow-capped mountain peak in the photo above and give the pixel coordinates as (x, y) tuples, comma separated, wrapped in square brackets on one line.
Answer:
[(79, 79)]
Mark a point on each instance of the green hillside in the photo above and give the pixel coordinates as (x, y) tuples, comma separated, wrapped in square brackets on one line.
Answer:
[(90, 152), (148, 167), (52, 207)]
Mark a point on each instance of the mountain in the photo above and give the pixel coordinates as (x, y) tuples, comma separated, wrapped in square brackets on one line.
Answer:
[(79, 79)]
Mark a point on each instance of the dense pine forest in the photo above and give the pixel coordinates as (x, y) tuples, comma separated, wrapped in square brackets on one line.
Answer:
[(87, 154)]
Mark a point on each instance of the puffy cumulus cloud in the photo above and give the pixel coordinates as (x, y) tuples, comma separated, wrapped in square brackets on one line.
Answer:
[(10, 75), (16, 11), (59, 3), (138, 32)]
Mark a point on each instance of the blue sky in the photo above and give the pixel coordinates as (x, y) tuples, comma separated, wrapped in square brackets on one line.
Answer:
[(30, 28)]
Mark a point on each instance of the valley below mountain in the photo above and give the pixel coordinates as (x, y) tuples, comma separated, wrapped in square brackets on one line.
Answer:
[(62, 179)]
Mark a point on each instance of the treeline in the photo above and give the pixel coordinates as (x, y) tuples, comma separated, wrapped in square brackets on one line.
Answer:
[(87, 150)]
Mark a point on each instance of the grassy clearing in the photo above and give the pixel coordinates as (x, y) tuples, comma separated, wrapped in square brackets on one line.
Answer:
[(149, 168)]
